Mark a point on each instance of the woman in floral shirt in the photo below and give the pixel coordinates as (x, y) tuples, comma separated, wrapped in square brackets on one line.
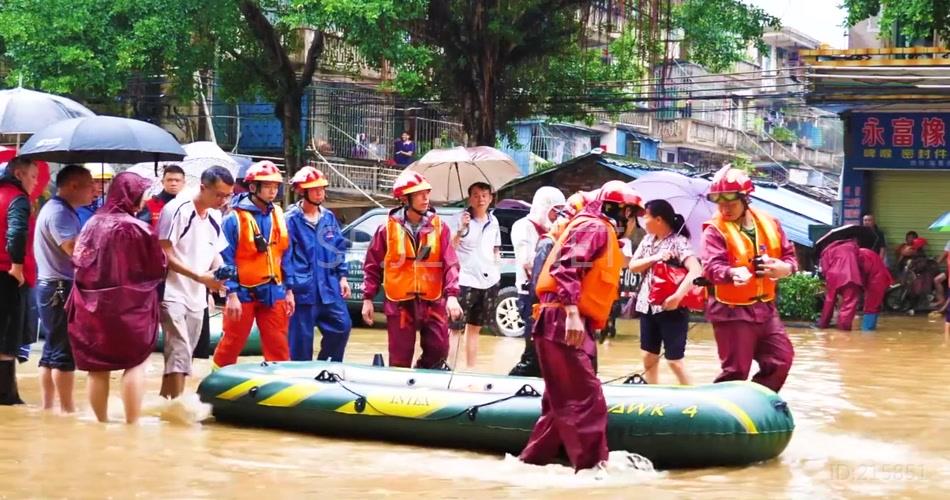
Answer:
[(664, 324)]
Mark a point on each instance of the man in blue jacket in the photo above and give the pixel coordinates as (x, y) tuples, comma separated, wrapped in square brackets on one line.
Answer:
[(319, 267)]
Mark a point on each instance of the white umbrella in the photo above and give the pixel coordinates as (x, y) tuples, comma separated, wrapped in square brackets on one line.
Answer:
[(452, 171), (199, 156), (24, 111), (687, 195)]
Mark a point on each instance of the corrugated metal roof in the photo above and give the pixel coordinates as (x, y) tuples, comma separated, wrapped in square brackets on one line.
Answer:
[(794, 224), (813, 209)]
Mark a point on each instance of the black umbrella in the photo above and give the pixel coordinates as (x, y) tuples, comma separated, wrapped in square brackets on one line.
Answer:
[(102, 139), (865, 236)]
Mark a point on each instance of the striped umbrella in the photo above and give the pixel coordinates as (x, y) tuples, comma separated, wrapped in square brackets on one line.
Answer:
[(942, 224)]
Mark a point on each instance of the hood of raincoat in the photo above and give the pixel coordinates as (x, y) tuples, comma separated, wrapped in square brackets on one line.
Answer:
[(126, 192), (545, 198)]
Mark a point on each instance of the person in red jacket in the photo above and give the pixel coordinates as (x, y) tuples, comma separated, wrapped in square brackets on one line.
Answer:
[(839, 264), (877, 279), (173, 181), (412, 258), (17, 270), (576, 290), (744, 253)]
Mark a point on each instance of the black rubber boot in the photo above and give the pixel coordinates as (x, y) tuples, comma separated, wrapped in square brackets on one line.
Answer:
[(528, 366), (9, 395)]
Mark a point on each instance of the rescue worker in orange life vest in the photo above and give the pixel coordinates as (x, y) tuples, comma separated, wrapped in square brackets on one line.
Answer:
[(319, 269), (744, 254), (412, 258), (576, 288), (259, 247)]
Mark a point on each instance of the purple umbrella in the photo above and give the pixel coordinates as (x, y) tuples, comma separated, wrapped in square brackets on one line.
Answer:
[(686, 194)]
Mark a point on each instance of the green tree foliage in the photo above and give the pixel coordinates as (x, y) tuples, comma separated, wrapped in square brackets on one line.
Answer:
[(96, 50), (914, 19), (718, 33)]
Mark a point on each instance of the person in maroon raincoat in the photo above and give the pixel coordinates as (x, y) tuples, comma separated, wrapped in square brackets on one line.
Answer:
[(113, 308), (744, 253), (839, 264), (877, 279), (412, 259), (576, 290)]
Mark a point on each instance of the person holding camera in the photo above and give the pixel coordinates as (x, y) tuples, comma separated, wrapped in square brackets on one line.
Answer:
[(665, 324), (259, 246), (478, 245), (745, 252), (412, 258), (189, 232)]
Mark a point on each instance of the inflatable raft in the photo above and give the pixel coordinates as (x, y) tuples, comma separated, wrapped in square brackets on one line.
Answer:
[(731, 423), (251, 348)]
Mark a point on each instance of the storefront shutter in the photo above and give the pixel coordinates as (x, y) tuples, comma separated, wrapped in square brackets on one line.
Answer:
[(910, 201)]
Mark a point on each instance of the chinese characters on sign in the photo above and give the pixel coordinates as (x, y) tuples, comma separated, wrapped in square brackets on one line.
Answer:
[(900, 140)]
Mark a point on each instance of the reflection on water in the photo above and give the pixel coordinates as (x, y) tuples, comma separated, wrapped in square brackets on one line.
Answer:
[(870, 413)]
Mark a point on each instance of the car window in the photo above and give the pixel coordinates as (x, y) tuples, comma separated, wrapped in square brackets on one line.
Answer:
[(363, 231)]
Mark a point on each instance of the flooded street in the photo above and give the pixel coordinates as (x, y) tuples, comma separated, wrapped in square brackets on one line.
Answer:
[(870, 410)]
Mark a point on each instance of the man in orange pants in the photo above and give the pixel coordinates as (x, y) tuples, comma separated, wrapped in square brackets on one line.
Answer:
[(259, 248), (576, 289)]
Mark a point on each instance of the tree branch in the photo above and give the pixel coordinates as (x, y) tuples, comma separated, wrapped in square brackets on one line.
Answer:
[(269, 40), (313, 57)]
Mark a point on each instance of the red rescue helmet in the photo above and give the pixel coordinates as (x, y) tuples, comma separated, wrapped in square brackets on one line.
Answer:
[(621, 193), (263, 171), (408, 182), (308, 177), (729, 184)]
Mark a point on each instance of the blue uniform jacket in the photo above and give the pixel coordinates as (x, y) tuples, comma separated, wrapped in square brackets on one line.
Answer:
[(319, 257), (269, 293)]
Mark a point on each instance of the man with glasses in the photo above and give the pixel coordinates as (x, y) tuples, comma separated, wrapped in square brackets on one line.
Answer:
[(745, 252), (189, 232)]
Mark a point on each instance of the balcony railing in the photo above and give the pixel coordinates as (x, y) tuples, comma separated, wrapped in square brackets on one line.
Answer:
[(348, 178)]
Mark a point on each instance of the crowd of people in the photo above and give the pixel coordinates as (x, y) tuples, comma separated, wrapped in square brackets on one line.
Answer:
[(104, 285)]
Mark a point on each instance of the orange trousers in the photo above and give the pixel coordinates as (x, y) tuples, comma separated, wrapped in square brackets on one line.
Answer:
[(271, 321)]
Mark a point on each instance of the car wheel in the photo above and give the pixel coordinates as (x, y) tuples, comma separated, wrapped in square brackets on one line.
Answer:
[(508, 322)]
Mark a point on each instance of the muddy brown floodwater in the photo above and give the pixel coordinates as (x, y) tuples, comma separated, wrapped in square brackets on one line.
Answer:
[(872, 415)]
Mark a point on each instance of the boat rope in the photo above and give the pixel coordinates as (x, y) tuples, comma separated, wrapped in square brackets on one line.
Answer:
[(362, 402), (637, 376)]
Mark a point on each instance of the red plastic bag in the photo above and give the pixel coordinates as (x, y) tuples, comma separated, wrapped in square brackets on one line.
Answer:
[(666, 280)]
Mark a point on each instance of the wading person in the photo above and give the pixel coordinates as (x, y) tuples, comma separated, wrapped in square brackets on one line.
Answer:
[(526, 232), (113, 309), (877, 279), (57, 228), (478, 246), (411, 257), (320, 269), (259, 248), (576, 289), (744, 253), (189, 231), (839, 265), (17, 270), (664, 325)]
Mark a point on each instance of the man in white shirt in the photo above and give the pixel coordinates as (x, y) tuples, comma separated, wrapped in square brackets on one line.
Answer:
[(478, 245), (189, 232), (525, 233)]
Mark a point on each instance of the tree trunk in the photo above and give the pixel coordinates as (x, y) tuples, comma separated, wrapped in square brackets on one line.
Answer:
[(288, 111)]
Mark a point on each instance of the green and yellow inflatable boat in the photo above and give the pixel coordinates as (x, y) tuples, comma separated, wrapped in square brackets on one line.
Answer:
[(732, 423), (251, 348)]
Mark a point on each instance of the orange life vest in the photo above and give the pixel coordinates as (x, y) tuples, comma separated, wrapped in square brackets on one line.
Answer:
[(601, 283), (404, 276), (742, 253), (259, 268)]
